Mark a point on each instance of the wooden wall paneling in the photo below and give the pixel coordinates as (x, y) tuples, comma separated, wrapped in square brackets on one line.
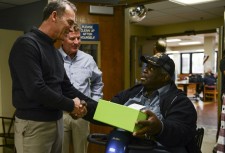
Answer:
[(111, 33)]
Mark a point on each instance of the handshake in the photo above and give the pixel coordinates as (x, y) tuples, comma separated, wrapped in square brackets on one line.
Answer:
[(79, 110)]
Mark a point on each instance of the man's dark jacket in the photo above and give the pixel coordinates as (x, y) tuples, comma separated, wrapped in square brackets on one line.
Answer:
[(179, 117)]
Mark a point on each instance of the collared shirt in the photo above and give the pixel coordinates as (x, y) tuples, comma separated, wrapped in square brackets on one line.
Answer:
[(84, 74), (151, 102)]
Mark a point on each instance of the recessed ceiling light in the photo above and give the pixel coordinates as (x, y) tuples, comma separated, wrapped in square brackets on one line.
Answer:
[(191, 2), (190, 43), (173, 40)]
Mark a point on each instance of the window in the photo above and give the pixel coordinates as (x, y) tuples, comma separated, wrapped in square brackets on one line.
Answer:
[(185, 63), (192, 63), (197, 62), (176, 58)]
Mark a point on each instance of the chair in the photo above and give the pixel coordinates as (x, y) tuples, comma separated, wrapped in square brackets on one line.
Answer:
[(199, 136), (210, 92), (7, 133)]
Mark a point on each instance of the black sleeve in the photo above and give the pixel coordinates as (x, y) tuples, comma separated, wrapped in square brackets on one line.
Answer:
[(179, 123), (25, 66), (70, 91)]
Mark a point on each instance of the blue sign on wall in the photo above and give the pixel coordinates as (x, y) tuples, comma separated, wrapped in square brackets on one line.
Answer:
[(89, 32)]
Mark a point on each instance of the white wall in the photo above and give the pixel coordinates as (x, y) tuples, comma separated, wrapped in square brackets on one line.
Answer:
[(7, 38), (139, 46)]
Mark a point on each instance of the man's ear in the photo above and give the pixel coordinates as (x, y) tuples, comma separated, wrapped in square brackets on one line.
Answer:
[(167, 77), (54, 16)]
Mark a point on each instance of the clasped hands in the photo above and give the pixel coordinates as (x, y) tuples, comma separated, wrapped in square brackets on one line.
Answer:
[(150, 127), (80, 108)]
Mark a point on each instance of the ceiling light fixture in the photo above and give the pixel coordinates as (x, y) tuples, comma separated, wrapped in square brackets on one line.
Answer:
[(190, 43), (173, 40), (191, 2), (137, 13), (200, 50)]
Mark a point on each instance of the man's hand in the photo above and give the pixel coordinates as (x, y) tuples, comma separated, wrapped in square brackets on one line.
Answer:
[(150, 127), (79, 110)]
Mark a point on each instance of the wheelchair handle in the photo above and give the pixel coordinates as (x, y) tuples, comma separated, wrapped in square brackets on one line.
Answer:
[(102, 139)]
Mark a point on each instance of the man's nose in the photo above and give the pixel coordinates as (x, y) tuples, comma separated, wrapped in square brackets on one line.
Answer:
[(144, 69), (76, 41), (71, 29)]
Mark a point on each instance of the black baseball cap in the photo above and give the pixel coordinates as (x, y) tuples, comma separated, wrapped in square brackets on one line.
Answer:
[(160, 60)]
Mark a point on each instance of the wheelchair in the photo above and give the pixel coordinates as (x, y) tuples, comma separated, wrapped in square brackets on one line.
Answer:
[(119, 141)]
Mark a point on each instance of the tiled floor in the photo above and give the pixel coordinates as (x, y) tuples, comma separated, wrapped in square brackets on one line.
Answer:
[(207, 118)]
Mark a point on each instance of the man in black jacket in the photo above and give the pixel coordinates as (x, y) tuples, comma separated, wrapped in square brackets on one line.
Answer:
[(41, 89), (171, 115)]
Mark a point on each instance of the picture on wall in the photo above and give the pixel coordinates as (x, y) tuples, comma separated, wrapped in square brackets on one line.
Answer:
[(92, 48)]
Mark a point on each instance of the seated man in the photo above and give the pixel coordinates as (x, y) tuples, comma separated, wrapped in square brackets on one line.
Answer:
[(172, 117), (209, 78)]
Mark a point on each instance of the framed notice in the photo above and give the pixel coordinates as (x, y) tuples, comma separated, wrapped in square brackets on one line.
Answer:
[(93, 48), (89, 32)]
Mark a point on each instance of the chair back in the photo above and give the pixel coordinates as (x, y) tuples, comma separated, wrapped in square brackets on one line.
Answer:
[(7, 133), (210, 92)]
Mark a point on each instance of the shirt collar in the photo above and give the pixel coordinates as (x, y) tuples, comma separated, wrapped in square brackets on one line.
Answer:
[(65, 56), (161, 91), (164, 89), (42, 35)]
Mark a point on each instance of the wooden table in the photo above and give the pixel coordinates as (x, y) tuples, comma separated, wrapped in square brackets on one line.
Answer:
[(185, 84)]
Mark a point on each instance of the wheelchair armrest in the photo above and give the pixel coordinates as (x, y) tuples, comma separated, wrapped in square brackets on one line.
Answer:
[(98, 138)]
